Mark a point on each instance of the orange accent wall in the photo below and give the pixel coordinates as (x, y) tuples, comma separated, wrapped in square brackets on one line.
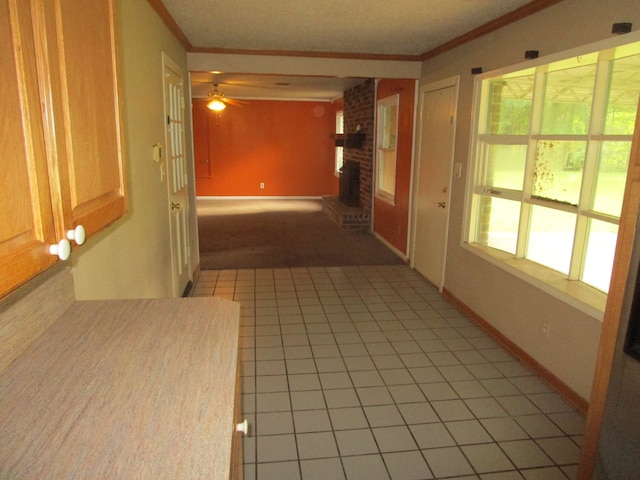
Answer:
[(286, 145), (391, 222)]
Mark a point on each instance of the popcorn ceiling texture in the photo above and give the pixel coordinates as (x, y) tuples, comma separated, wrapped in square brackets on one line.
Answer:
[(400, 27)]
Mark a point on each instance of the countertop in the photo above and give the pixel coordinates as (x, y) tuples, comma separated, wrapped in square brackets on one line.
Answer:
[(124, 389)]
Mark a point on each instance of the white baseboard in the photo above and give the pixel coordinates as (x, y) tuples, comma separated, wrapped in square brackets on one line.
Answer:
[(391, 247), (256, 198)]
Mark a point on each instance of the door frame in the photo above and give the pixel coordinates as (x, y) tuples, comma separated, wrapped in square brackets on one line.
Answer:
[(431, 87), (177, 289)]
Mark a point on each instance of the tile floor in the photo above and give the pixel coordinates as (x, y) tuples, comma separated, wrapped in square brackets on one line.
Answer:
[(368, 373)]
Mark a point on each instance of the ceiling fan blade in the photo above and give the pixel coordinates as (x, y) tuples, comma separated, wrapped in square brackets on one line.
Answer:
[(235, 103)]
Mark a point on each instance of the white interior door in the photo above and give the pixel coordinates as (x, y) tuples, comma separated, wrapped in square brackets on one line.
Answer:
[(176, 175), (431, 204)]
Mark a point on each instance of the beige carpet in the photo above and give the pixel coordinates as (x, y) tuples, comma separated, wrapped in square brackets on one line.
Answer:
[(280, 233)]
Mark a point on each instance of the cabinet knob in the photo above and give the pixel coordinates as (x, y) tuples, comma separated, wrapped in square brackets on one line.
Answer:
[(62, 249), (175, 206), (243, 427), (78, 235)]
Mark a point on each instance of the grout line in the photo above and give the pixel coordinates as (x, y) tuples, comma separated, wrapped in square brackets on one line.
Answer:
[(380, 292)]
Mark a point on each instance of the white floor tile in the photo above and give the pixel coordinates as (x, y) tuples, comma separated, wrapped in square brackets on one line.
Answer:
[(365, 467), (322, 469), (525, 454), (369, 373), (447, 462), (407, 466), (279, 471), (316, 445), (356, 442)]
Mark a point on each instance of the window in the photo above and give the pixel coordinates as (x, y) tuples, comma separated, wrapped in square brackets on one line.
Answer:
[(550, 159), (386, 148), (339, 150)]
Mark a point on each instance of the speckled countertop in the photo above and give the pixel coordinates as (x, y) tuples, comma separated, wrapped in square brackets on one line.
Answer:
[(124, 389)]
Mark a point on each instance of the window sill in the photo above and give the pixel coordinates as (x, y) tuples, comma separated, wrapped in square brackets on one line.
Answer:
[(577, 294), (386, 198)]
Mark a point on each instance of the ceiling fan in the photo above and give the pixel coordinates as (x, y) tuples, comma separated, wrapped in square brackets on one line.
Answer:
[(218, 102)]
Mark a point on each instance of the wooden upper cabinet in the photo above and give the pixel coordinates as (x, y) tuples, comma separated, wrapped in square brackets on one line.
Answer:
[(26, 221), (62, 160), (80, 77)]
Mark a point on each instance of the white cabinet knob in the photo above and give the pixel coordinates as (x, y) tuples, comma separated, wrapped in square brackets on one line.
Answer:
[(243, 427), (78, 235), (62, 249)]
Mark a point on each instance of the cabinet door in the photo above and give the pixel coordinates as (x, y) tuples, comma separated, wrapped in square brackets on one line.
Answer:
[(80, 67), (26, 221)]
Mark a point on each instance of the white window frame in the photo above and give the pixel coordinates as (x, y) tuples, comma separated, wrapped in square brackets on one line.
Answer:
[(339, 157), (565, 287), (384, 147)]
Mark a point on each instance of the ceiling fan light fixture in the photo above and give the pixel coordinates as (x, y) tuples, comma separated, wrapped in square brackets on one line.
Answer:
[(216, 105)]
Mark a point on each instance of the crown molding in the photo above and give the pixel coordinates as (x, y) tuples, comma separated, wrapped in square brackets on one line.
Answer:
[(518, 14)]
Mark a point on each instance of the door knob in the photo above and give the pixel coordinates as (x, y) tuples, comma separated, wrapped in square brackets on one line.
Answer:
[(441, 204), (78, 235), (62, 249), (243, 427), (175, 206)]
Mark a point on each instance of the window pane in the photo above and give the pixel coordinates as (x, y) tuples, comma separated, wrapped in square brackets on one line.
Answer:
[(510, 105), (386, 147), (339, 158), (611, 177), (505, 166), (388, 126), (387, 171), (623, 96), (567, 101), (339, 130), (601, 247), (551, 235), (558, 171), (498, 221)]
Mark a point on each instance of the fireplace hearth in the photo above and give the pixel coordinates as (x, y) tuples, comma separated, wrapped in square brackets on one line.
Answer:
[(353, 219)]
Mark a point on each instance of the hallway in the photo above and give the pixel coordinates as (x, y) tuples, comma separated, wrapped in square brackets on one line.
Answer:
[(367, 373)]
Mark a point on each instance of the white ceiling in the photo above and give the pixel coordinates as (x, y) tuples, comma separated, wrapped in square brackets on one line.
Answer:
[(390, 27), (339, 27)]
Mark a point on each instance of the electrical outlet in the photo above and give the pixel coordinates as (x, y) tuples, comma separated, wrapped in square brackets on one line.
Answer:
[(261, 185), (546, 326)]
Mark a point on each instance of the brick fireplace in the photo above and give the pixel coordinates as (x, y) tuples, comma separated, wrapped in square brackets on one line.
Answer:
[(359, 113)]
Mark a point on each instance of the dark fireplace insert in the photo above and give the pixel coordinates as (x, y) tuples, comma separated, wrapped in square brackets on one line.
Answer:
[(350, 184)]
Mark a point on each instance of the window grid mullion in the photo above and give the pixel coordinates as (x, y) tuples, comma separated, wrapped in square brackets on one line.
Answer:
[(523, 229), (590, 168), (530, 165), (579, 248), (594, 143)]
